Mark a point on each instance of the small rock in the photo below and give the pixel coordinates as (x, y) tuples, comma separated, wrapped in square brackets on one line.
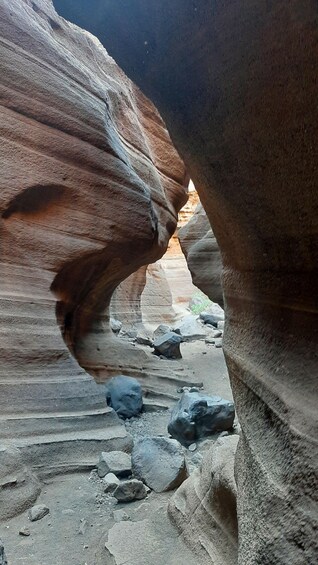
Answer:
[(3, 559), (192, 447), (38, 512), (224, 434), (168, 345), (83, 526), (110, 482), (120, 515), (214, 333), (115, 325), (159, 462), (218, 343), (144, 340), (24, 532), (124, 395), (116, 462), (221, 325), (161, 330), (127, 491)]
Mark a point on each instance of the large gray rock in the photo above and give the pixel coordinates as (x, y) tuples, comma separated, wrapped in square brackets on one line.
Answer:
[(124, 395), (3, 559), (159, 462), (127, 491), (168, 345), (196, 416), (190, 329), (116, 462)]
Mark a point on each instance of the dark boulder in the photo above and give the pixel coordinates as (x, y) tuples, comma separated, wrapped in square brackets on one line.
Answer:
[(124, 395), (196, 416), (168, 345)]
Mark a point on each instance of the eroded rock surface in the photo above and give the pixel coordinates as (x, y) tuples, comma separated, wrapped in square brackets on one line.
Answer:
[(202, 252), (204, 506), (90, 189), (239, 92)]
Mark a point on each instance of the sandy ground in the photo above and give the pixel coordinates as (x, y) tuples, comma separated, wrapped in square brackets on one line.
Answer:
[(80, 519)]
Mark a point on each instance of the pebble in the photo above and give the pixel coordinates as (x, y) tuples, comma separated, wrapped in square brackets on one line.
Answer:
[(24, 532), (192, 447)]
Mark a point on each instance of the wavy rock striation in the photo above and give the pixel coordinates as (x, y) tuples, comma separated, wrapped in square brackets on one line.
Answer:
[(90, 190), (202, 253), (236, 84)]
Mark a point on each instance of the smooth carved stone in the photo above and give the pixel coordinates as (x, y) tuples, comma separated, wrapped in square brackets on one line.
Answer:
[(89, 192), (38, 512), (168, 345), (116, 462), (159, 462), (202, 253), (124, 395), (204, 507), (196, 416), (127, 491)]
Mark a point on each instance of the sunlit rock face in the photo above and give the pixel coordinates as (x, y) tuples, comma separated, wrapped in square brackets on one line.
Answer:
[(90, 190), (236, 82), (202, 252)]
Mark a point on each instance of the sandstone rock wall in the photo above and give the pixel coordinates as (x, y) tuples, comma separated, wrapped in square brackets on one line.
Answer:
[(202, 253), (90, 190), (236, 83)]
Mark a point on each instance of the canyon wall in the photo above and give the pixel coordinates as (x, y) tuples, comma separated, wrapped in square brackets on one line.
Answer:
[(203, 256), (236, 82), (90, 190)]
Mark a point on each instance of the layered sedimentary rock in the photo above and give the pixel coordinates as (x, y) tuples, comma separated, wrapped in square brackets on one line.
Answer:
[(202, 252), (90, 190), (236, 83), (204, 507), (159, 293)]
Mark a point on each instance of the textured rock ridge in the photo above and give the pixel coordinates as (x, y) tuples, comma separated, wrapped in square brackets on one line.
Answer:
[(90, 190), (236, 84), (202, 252)]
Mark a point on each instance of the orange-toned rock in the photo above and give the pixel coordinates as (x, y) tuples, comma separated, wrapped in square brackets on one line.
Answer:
[(90, 190)]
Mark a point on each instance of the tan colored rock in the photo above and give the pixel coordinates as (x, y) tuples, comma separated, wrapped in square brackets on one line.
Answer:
[(236, 84)]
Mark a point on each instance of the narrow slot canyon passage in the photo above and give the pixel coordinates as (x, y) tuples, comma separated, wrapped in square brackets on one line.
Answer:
[(158, 345)]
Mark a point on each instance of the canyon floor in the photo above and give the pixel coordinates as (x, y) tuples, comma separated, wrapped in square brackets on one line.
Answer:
[(81, 518)]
